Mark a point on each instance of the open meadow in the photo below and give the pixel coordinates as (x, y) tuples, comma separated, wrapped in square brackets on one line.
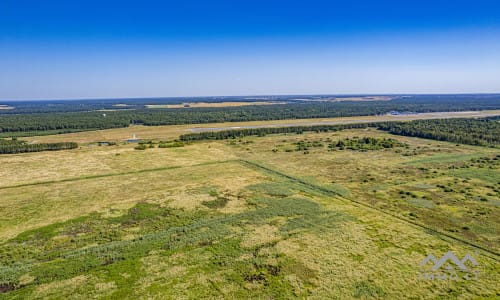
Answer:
[(312, 215)]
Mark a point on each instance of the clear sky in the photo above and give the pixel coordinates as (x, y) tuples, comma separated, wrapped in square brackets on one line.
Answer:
[(90, 49)]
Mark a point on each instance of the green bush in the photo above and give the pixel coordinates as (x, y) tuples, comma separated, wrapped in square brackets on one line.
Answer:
[(140, 147), (172, 144)]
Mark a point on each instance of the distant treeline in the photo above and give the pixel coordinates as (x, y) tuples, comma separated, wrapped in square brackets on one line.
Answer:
[(15, 146), (480, 132), (58, 106), (483, 132), (473, 101), (38, 123), (239, 133)]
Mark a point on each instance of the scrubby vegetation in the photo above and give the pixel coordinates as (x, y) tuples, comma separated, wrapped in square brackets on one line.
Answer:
[(171, 144), (145, 144), (349, 143), (365, 143), (141, 147)]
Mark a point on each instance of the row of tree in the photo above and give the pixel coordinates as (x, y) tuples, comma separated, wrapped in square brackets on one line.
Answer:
[(480, 132), (15, 146)]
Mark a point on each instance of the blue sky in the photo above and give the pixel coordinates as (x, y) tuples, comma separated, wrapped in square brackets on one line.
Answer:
[(91, 49)]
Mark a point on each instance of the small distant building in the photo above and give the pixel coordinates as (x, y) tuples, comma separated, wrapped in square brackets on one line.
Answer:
[(134, 139)]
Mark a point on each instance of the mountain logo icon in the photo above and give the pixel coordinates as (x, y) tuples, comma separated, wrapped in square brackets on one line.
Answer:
[(449, 257)]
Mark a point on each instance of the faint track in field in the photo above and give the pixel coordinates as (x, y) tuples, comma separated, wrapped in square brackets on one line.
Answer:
[(442, 235), (97, 176)]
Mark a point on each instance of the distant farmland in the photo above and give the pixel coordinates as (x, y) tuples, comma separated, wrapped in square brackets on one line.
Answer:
[(213, 104)]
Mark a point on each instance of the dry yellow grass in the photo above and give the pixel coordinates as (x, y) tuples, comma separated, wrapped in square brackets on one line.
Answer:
[(258, 235), (160, 269), (25, 208), (226, 183), (95, 160), (77, 287)]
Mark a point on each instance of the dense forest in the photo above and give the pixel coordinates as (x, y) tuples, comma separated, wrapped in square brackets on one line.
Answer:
[(483, 132), (480, 132), (25, 124), (440, 102), (17, 146)]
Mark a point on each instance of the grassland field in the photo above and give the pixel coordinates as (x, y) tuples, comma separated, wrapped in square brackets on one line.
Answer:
[(275, 217)]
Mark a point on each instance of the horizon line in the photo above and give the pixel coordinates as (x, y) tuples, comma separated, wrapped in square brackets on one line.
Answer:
[(246, 95)]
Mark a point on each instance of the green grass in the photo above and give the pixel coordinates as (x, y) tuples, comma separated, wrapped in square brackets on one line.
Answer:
[(366, 289), (423, 203), (217, 203), (445, 158), (491, 176), (273, 189)]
